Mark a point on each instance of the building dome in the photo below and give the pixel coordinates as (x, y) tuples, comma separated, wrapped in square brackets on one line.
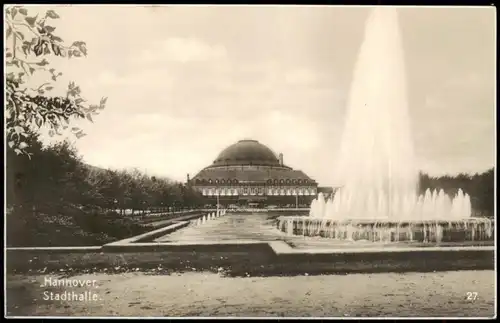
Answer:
[(247, 152)]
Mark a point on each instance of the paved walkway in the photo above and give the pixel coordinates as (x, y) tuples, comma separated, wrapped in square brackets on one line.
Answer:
[(255, 226)]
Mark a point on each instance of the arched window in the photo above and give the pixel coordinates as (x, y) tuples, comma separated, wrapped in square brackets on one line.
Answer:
[(282, 181), (216, 181), (210, 181), (294, 181), (300, 181), (275, 181), (288, 181), (222, 181)]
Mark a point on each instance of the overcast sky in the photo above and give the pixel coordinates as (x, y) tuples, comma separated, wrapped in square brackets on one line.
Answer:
[(184, 82)]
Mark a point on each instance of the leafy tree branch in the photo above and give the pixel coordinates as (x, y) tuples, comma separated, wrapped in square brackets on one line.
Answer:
[(30, 43)]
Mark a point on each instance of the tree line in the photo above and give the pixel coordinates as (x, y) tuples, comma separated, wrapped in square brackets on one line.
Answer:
[(56, 175)]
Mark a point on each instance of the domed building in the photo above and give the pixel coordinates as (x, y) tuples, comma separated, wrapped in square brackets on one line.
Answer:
[(248, 172)]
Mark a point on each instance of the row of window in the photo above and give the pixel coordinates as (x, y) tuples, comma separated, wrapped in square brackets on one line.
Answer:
[(235, 181), (258, 191)]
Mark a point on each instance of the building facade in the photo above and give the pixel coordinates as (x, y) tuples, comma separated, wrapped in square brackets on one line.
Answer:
[(249, 172)]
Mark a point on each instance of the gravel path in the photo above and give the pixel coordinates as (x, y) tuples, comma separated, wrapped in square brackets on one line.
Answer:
[(200, 294)]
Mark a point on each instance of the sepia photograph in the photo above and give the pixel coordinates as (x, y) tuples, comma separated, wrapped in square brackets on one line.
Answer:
[(250, 161)]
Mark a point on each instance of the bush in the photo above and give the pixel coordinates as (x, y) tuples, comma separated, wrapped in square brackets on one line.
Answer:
[(69, 226)]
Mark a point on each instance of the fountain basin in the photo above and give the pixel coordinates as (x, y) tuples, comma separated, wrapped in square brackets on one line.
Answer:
[(426, 231)]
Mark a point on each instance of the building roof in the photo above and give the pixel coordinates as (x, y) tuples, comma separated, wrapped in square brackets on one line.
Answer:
[(249, 161), (254, 174), (247, 152)]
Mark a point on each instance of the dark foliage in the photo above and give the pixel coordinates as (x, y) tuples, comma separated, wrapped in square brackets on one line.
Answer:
[(53, 198)]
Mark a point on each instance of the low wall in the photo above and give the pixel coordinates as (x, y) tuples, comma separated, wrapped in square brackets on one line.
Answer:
[(411, 260), (246, 258), (148, 236), (148, 219)]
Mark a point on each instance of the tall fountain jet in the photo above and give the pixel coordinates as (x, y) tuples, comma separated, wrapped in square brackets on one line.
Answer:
[(376, 166), (376, 162), (377, 149)]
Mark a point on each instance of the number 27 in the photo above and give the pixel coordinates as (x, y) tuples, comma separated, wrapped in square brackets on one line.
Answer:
[(471, 296)]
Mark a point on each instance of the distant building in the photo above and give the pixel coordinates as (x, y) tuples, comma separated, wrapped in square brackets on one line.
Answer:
[(248, 172)]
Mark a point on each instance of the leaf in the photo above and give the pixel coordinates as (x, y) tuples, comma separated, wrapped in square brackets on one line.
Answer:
[(89, 117), (51, 133), (18, 151), (23, 145), (103, 101), (43, 62), (78, 43), (52, 14), (8, 55), (32, 70), (80, 135), (93, 107), (13, 12), (8, 32), (31, 21), (83, 49), (57, 39), (23, 11), (48, 88), (20, 35), (52, 70), (11, 144), (49, 29), (75, 129)]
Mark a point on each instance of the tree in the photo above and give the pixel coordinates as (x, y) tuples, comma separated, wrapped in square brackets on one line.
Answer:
[(30, 41)]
